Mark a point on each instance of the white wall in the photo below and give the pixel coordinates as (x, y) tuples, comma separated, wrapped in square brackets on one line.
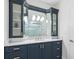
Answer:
[(6, 20), (66, 26)]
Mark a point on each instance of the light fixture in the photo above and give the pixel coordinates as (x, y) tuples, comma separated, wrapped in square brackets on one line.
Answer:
[(25, 19), (38, 18), (46, 21), (33, 17), (42, 19)]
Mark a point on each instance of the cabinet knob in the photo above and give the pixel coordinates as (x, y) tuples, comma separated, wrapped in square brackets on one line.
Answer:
[(57, 56), (58, 42), (16, 48), (58, 48), (16, 58)]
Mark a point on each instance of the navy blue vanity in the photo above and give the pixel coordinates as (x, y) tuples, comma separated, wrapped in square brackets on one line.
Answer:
[(45, 50)]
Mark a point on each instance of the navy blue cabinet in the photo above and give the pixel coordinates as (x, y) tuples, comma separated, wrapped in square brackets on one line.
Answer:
[(57, 49), (34, 51), (16, 18), (52, 50), (40, 51), (47, 50), (54, 22), (15, 52)]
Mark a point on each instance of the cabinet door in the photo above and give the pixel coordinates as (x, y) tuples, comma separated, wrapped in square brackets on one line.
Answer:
[(15, 18), (6, 55), (54, 22), (52, 50), (34, 51), (47, 51)]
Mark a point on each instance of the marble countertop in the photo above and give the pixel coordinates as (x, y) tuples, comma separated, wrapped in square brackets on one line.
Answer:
[(29, 42)]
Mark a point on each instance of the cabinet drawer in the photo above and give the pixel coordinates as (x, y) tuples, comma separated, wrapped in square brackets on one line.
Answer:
[(58, 42), (14, 49), (57, 45), (15, 55), (19, 56)]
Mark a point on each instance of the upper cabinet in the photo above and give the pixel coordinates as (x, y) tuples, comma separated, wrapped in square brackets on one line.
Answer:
[(54, 22), (15, 18)]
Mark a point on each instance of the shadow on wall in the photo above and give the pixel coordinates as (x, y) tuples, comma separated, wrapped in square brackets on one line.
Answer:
[(64, 51)]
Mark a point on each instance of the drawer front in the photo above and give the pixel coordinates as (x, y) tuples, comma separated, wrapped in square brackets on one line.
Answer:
[(10, 56), (18, 56), (57, 43), (14, 48)]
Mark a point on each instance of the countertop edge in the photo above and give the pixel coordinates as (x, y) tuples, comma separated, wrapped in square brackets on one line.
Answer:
[(30, 42)]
